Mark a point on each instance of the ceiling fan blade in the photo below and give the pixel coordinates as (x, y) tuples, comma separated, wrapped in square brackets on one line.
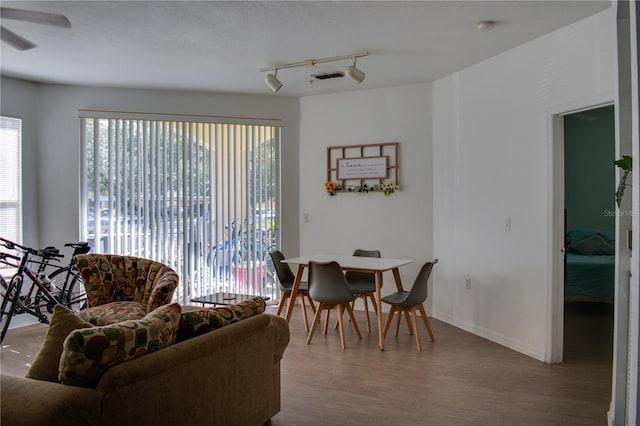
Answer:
[(15, 40), (35, 16)]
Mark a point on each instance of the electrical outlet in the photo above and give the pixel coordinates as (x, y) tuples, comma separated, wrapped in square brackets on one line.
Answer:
[(468, 283), (305, 217)]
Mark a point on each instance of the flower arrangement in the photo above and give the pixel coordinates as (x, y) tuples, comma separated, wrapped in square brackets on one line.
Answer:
[(332, 187), (386, 188)]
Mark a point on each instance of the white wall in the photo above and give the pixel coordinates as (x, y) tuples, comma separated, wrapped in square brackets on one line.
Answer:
[(492, 161), (18, 100), (399, 225), (55, 109)]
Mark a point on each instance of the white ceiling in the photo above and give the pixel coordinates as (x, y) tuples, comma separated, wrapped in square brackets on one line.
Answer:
[(221, 46)]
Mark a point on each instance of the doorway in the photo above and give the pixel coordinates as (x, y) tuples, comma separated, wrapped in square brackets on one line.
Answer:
[(589, 229)]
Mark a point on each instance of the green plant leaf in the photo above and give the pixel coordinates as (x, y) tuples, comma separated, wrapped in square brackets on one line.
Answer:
[(626, 163)]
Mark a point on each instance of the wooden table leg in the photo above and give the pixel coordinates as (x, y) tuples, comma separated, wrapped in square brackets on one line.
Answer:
[(379, 310), (396, 276), (294, 292)]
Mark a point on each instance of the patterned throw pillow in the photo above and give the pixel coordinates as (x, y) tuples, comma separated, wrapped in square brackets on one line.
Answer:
[(63, 322), (195, 323), (87, 353)]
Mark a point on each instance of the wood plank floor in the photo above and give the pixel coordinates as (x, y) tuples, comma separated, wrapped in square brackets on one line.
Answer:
[(461, 379)]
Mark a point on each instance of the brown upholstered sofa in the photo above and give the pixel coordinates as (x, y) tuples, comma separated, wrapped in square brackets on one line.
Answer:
[(228, 376)]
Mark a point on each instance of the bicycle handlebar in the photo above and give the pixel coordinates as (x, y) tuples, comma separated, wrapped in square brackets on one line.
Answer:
[(48, 252), (3, 256), (15, 246)]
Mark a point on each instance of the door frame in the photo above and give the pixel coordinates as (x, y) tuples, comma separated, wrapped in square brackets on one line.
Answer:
[(625, 389), (555, 318)]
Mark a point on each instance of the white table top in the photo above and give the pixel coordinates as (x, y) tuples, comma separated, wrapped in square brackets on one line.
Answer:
[(352, 262)]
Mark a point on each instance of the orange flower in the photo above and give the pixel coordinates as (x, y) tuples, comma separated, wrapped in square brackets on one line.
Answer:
[(330, 187)]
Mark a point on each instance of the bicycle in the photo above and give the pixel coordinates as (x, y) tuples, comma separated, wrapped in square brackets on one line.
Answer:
[(47, 295), (227, 252), (9, 296), (69, 290), (245, 248)]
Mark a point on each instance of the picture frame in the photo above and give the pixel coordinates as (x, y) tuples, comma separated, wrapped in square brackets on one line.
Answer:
[(363, 168)]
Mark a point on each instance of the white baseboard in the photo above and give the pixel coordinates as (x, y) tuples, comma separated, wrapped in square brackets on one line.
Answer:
[(492, 336)]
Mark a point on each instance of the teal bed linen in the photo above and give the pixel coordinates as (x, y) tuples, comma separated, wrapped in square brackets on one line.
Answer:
[(590, 277)]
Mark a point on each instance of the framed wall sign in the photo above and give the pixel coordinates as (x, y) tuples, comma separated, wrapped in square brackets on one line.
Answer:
[(363, 168)]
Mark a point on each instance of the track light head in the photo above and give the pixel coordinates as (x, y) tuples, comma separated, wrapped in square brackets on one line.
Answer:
[(354, 73), (273, 83)]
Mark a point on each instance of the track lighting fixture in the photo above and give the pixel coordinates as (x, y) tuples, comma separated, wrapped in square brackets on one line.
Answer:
[(352, 72), (273, 82)]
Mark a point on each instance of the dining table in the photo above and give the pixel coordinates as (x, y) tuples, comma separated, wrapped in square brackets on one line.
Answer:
[(373, 265)]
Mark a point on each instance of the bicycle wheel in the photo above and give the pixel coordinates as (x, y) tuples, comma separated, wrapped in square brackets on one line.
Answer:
[(71, 295), (9, 299), (75, 296)]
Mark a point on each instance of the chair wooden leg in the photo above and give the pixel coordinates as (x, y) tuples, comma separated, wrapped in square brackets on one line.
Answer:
[(335, 326), (407, 318), (425, 319), (303, 306), (283, 300), (313, 305), (326, 323), (414, 319), (366, 311), (400, 312), (340, 326), (316, 320), (388, 323), (373, 303), (353, 321), (353, 305)]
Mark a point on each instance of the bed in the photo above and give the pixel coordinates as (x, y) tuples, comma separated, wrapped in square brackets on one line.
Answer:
[(590, 269)]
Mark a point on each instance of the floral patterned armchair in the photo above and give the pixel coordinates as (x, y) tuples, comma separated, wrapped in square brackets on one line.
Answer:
[(122, 288)]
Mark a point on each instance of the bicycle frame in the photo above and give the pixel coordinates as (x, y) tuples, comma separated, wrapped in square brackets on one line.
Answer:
[(65, 292), (23, 269)]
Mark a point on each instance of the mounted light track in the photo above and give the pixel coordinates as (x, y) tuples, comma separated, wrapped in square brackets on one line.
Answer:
[(352, 72)]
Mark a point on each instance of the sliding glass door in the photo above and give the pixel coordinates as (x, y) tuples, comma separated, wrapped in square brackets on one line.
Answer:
[(197, 194)]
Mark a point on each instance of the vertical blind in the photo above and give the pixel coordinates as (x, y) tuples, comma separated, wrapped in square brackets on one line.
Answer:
[(11, 179), (201, 196)]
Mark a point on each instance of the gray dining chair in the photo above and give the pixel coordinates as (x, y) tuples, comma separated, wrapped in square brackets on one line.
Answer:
[(363, 284), (285, 280), (409, 302), (328, 286)]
